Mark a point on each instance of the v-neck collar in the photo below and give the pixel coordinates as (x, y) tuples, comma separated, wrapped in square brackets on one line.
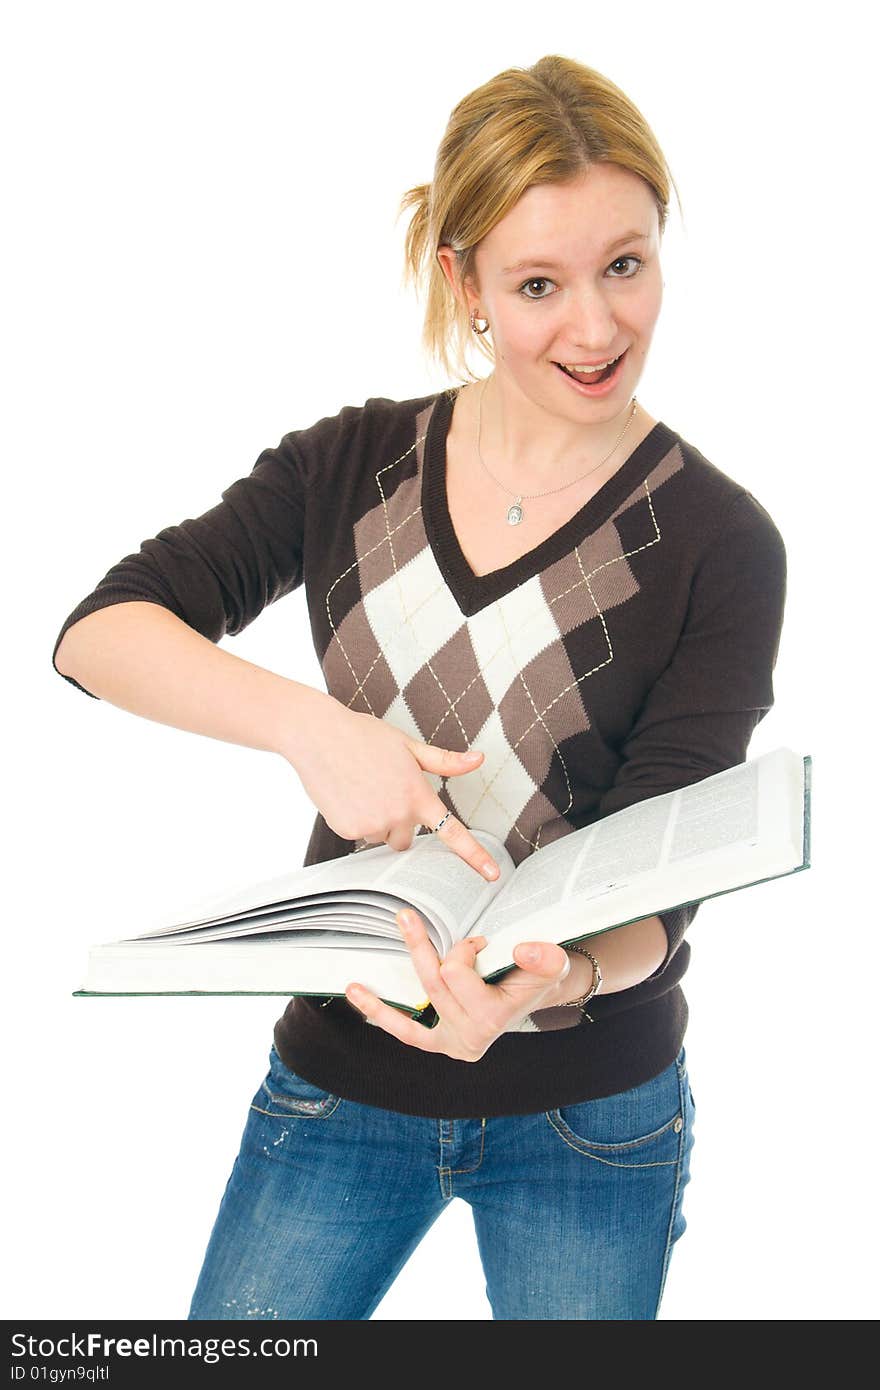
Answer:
[(472, 592)]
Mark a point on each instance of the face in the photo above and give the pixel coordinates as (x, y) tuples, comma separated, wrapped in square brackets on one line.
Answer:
[(561, 281)]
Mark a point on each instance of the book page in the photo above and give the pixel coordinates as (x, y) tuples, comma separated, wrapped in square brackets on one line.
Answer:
[(336, 940), (711, 816), (297, 885), (380, 905), (753, 804), (275, 923), (438, 881), (628, 843), (537, 883)]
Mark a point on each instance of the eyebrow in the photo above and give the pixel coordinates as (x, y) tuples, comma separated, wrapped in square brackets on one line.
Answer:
[(539, 262)]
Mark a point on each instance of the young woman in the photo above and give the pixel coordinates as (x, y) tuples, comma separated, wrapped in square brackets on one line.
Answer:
[(534, 604)]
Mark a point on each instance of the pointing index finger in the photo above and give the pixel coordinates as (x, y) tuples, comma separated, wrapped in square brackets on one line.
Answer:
[(462, 842)]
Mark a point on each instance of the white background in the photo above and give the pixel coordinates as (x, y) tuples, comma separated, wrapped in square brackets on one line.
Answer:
[(200, 254)]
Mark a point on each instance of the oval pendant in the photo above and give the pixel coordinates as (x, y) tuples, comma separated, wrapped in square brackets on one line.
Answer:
[(514, 514)]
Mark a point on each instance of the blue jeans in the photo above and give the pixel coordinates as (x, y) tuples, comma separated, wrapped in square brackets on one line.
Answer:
[(576, 1210)]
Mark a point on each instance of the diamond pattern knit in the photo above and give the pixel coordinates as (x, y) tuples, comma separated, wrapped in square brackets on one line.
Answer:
[(628, 654)]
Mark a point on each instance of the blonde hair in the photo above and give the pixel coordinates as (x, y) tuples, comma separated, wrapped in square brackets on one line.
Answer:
[(542, 124)]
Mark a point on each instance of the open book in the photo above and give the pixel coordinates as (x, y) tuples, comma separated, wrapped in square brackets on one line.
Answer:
[(315, 929)]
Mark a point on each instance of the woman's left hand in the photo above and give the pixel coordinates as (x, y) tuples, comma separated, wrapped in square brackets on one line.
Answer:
[(472, 1013)]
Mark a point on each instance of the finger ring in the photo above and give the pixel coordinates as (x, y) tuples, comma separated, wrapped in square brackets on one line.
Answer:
[(443, 822)]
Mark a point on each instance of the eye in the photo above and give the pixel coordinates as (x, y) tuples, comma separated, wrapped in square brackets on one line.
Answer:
[(543, 280), (537, 280), (621, 260)]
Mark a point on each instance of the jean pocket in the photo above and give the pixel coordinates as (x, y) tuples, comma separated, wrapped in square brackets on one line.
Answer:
[(638, 1128), (285, 1092)]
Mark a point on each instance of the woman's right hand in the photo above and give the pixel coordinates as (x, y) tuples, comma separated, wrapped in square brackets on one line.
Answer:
[(366, 778)]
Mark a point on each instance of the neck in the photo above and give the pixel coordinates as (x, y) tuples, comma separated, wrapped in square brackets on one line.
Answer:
[(540, 448)]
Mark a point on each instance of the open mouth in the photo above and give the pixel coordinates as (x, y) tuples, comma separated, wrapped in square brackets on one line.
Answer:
[(593, 378)]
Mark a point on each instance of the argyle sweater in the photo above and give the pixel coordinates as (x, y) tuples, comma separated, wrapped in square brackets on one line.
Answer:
[(628, 654)]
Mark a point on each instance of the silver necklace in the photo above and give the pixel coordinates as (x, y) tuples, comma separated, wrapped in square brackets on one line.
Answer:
[(515, 513)]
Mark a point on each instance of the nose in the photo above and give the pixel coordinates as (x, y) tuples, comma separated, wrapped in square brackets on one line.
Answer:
[(591, 326)]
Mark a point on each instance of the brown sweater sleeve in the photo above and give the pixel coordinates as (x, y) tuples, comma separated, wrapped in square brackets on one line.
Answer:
[(218, 571), (699, 717)]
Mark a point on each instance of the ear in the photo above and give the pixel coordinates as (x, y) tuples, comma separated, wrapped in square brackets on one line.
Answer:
[(464, 292)]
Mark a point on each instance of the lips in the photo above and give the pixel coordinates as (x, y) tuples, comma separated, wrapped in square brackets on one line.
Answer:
[(603, 383), (579, 376)]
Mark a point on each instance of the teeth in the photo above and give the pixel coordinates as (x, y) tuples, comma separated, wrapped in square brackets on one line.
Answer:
[(570, 367)]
